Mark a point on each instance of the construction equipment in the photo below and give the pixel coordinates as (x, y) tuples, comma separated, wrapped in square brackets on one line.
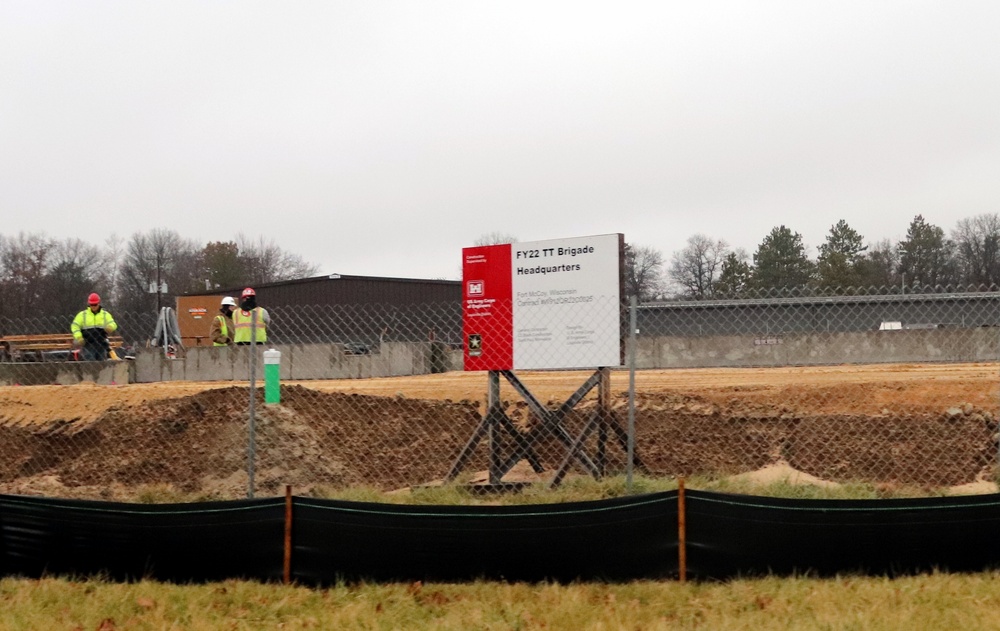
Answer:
[(167, 333), (51, 347)]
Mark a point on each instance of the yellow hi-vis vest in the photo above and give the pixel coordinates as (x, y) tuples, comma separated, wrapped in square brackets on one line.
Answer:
[(223, 328), (242, 320)]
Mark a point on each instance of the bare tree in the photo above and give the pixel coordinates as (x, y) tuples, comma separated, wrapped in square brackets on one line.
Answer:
[(264, 262), (977, 248), (495, 238), (696, 268), (114, 252), (643, 272), (880, 267), (153, 260), (75, 271), (24, 262)]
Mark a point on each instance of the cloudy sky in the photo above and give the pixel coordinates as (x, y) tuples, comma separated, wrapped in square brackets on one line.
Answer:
[(379, 138)]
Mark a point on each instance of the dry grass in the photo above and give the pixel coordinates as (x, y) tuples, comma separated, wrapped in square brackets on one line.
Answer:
[(574, 489), (915, 603)]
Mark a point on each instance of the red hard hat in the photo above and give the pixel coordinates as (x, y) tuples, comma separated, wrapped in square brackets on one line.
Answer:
[(249, 292), (93, 299)]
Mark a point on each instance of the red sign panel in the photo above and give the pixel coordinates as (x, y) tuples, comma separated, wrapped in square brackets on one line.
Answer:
[(487, 308)]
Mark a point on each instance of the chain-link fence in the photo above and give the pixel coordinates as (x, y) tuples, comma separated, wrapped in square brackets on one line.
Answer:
[(890, 391)]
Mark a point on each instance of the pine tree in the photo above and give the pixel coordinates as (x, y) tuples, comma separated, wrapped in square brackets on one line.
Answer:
[(736, 276), (925, 257), (781, 262), (841, 258)]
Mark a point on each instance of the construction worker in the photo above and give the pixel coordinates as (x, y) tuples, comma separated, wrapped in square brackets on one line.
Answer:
[(91, 328), (243, 320), (222, 325)]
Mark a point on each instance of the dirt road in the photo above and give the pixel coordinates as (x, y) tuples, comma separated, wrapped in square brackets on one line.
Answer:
[(847, 389)]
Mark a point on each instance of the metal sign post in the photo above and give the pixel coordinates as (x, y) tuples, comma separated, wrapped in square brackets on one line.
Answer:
[(496, 420), (632, 332)]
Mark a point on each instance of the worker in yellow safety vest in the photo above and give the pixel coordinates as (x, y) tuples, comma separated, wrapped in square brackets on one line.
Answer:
[(243, 320), (91, 328), (223, 328)]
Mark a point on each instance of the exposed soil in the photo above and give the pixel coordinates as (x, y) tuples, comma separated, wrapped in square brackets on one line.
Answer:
[(932, 426)]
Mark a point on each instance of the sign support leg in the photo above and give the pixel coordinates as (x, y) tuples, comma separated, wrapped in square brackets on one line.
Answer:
[(495, 422), (494, 409)]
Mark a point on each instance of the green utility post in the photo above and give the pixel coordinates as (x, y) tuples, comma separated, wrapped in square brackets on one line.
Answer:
[(272, 376)]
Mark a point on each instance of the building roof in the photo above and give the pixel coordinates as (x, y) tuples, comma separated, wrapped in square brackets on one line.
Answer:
[(822, 300), (326, 277)]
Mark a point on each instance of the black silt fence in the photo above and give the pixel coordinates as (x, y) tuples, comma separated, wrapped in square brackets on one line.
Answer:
[(608, 540)]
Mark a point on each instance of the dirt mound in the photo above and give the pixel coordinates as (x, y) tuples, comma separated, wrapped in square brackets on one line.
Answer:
[(199, 443), (934, 431), (85, 402), (687, 435)]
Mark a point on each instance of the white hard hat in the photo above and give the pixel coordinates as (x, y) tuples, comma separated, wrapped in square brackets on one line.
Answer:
[(228, 300)]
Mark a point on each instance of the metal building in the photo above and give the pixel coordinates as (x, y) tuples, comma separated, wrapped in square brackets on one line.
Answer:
[(358, 311)]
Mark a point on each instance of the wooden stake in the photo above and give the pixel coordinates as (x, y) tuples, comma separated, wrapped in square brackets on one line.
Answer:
[(288, 534), (681, 532)]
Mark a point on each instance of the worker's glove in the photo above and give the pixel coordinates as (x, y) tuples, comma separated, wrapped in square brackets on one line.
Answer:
[(77, 342)]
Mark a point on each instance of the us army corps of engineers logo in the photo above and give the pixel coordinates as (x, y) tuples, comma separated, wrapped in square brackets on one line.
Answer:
[(475, 345)]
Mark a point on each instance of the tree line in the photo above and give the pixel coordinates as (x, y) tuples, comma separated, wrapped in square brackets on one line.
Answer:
[(40, 275), (926, 259), (44, 276)]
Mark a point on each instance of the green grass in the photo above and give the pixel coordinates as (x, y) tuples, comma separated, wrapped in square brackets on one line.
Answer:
[(939, 601)]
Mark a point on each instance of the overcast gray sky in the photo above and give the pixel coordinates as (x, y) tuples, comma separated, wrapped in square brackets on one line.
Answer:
[(379, 138)]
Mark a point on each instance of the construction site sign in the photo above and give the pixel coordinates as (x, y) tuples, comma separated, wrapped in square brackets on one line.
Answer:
[(543, 304)]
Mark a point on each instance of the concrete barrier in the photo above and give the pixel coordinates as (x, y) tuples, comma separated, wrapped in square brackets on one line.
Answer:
[(866, 347), (65, 373), (394, 359), (298, 362)]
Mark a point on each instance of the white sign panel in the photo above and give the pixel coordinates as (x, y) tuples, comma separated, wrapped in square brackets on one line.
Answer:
[(566, 296)]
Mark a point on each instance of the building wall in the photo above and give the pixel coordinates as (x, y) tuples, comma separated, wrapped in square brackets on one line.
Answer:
[(818, 314), (360, 310), (358, 290)]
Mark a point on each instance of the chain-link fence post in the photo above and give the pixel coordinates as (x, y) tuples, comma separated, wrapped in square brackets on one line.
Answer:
[(251, 430), (631, 393)]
